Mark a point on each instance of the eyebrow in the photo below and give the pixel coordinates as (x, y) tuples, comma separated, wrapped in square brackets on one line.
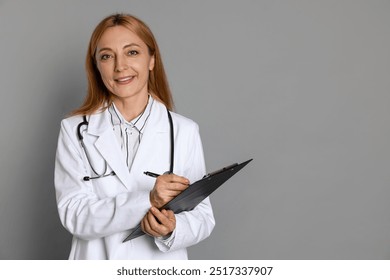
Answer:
[(124, 47)]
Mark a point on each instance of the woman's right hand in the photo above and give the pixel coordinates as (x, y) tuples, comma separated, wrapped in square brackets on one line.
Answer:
[(167, 187)]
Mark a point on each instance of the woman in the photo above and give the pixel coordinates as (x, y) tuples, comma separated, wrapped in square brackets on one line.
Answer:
[(121, 131)]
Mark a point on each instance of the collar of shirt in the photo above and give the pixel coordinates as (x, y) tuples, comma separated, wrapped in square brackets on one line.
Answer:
[(138, 122), (129, 134)]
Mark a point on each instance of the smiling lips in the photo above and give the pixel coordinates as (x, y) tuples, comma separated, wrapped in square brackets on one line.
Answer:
[(124, 80)]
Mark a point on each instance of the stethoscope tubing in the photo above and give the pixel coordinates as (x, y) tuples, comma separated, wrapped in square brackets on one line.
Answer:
[(112, 173)]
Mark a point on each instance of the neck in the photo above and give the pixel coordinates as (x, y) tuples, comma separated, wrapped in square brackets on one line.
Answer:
[(130, 108)]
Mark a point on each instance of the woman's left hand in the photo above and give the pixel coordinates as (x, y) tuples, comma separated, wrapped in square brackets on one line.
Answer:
[(158, 223)]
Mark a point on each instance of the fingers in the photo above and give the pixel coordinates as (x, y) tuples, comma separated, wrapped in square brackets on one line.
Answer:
[(158, 223), (152, 227), (167, 187), (169, 214), (147, 228), (175, 182)]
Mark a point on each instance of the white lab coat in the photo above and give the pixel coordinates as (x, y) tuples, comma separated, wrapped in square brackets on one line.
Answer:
[(101, 213)]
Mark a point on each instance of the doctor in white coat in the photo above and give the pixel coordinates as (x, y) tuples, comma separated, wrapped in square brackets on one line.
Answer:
[(101, 189)]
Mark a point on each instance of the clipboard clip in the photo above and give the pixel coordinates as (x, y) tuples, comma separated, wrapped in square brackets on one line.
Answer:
[(220, 170)]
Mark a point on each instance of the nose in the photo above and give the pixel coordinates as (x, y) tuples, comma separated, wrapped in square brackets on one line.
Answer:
[(120, 64)]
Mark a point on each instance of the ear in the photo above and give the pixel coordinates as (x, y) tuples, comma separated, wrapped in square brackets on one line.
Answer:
[(151, 63)]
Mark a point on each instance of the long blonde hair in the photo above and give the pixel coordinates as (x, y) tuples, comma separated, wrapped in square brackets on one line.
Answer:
[(97, 94)]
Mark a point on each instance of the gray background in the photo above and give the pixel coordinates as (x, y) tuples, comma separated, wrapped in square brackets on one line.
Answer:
[(300, 86)]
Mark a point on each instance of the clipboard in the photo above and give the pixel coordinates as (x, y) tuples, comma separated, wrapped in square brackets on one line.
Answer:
[(196, 193)]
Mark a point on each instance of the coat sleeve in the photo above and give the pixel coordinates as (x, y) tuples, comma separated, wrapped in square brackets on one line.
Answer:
[(81, 212), (196, 225)]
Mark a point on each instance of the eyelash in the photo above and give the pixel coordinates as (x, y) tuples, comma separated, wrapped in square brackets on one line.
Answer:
[(105, 57), (130, 53)]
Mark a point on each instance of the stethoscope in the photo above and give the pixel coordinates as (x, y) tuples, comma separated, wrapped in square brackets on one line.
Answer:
[(112, 173)]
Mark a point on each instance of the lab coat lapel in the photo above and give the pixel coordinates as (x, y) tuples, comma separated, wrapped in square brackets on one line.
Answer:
[(108, 146), (153, 152)]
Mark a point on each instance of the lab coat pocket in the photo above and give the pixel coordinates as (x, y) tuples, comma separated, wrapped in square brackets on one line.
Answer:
[(108, 186)]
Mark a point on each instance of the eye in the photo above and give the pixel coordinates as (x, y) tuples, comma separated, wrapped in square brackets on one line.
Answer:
[(105, 56), (132, 52)]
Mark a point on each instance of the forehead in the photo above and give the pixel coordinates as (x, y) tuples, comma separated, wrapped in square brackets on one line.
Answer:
[(118, 36)]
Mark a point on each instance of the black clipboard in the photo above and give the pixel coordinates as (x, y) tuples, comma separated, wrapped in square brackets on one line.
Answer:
[(196, 193)]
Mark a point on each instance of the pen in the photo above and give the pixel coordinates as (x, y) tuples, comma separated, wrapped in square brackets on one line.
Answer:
[(151, 174)]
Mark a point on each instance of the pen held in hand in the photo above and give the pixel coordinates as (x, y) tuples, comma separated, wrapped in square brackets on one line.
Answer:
[(151, 174)]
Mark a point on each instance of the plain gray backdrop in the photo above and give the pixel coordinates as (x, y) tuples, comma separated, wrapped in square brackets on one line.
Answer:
[(303, 87)]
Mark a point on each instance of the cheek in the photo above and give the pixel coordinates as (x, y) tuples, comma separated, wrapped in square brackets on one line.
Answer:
[(104, 74), (144, 69)]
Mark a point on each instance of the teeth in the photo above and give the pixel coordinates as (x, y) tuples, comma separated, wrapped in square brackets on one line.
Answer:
[(124, 79)]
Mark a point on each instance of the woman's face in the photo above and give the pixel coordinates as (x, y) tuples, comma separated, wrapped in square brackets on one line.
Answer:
[(124, 62)]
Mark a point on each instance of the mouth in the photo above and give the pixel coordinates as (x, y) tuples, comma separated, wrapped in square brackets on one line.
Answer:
[(124, 80)]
